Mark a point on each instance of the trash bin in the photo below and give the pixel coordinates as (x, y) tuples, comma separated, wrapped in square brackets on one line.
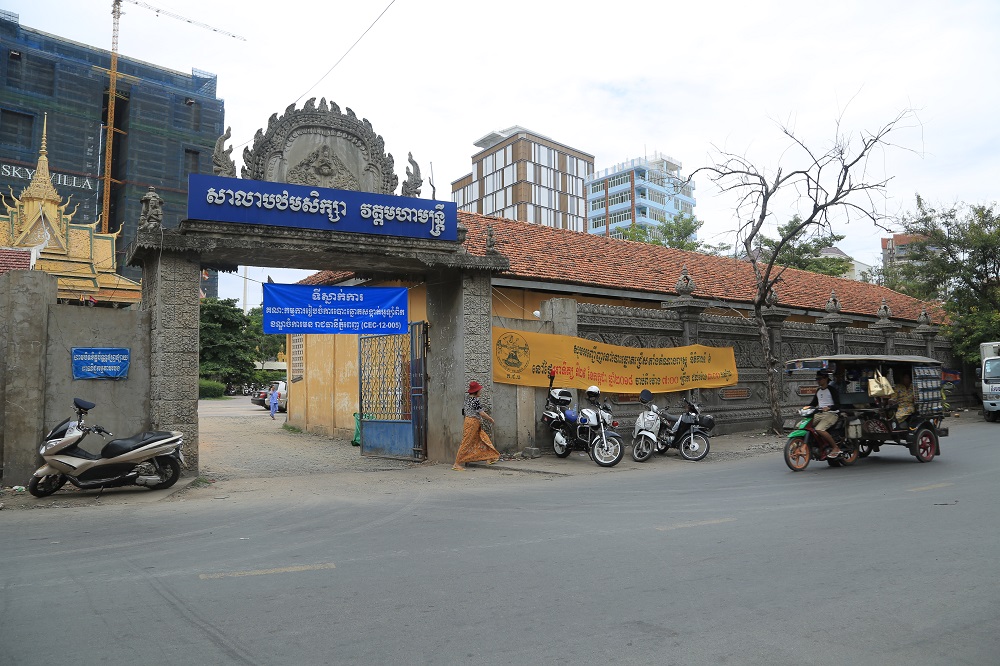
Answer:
[(357, 430)]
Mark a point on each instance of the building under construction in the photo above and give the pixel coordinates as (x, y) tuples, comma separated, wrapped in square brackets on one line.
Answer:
[(166, 126)]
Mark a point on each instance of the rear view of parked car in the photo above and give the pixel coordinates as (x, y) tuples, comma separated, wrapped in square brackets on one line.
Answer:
[(260, 397)]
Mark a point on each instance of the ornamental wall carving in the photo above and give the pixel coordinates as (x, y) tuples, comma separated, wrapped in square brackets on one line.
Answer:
[(648, 328), (322, 146)]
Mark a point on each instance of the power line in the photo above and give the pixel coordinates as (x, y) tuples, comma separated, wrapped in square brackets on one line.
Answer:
[(310, 88), (348, 51)]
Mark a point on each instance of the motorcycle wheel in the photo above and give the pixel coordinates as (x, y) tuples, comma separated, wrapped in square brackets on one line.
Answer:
[(797, 454), (925, 445), (171, 471), (46, 485), (562, 450), (694, 446), (609, 452), (642, 449)]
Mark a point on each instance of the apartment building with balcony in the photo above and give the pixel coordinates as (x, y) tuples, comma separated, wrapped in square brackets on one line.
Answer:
[(645, 191), (521, 175)]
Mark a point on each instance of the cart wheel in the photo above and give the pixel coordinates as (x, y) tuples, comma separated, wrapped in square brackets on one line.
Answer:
[(925, 445), (850, 455), (865, 449)]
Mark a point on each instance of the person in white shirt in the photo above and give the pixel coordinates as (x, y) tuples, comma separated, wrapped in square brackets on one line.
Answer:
[(828, 401)]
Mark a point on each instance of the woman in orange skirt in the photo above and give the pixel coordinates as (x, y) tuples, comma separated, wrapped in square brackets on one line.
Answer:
[(476, 444)]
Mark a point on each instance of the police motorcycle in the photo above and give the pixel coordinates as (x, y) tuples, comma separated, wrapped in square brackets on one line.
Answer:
[(150, 459), (591, 430), (659, 431)]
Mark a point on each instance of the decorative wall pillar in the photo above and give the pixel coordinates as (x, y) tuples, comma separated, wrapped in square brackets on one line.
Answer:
[(687, 307), (927, 332), (836, 322), (886, 327), (689, 311)]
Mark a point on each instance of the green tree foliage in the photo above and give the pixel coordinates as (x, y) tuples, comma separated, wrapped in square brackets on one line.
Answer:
[(679, 233), (226, 350), (267, 346), (955, 258), (802, 248)]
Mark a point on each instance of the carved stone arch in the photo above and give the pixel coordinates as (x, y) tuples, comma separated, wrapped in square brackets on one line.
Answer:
[(319, 145)]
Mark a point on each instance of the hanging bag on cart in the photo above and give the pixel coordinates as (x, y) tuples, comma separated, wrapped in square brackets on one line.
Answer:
[(880, 387)]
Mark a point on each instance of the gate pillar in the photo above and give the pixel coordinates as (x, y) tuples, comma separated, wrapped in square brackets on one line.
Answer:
[(460, 305), (170, 291)]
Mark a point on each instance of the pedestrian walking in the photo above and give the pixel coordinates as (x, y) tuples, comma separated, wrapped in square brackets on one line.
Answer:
[(476, 444), (273, 400)]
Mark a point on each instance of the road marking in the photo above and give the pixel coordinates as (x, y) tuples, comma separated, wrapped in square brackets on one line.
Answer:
[(700, 523), (264, 572), (934, 487)]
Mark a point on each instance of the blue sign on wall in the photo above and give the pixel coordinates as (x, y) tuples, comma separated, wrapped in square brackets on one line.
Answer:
[(301, 206), (100, 363), (301, 308)]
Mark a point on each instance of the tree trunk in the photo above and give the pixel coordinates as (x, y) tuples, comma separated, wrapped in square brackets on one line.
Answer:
[(771, 366)]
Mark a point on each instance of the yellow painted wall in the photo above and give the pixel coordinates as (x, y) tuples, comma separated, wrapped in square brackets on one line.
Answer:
[(326, 399)]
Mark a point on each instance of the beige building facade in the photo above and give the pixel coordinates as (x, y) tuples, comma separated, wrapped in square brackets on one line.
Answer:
[(521, 175)]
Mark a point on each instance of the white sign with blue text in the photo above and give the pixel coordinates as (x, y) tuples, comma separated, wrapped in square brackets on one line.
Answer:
[(244, 201), (299, 308)]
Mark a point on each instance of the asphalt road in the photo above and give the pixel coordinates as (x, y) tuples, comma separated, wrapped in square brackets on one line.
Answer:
[(739, 562)]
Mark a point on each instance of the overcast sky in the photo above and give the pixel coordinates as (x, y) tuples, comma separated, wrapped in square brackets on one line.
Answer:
[(615, 79)]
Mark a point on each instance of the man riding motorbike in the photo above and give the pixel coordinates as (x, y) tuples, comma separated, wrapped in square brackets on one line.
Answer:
[(827, 400)]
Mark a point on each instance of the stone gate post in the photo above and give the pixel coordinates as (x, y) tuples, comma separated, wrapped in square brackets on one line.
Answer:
[(460, 303), (170, 291)]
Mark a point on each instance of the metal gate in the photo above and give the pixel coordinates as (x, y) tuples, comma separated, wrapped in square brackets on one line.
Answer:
[(393, 401)]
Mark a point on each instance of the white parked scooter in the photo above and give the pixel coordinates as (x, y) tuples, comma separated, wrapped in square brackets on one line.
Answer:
[(150, 459)]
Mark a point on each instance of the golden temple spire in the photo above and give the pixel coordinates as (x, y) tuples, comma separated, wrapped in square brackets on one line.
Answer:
[(41, 186)]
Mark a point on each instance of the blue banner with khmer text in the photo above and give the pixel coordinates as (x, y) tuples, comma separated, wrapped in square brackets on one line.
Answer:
[(299, 308)]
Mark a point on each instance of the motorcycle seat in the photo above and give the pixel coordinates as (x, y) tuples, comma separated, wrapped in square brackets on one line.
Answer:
[(669, 419), (117, 447)]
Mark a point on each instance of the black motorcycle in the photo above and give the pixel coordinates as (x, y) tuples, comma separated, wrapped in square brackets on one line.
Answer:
[(658, 431)]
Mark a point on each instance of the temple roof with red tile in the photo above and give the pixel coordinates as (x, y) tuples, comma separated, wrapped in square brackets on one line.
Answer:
[(558, 256)]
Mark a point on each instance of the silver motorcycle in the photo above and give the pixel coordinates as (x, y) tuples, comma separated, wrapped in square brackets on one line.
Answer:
[(659, 431)]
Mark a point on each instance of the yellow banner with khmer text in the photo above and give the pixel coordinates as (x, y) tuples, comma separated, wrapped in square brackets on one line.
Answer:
[(525, 359)]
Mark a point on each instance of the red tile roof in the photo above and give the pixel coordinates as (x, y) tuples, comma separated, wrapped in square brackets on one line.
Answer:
[(900, 239), (559, 256), (14, 259)]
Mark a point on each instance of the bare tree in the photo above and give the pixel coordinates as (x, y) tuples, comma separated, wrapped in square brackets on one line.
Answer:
[(837, 181)]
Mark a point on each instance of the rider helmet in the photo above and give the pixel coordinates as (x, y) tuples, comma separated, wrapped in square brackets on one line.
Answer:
[(593, 393)]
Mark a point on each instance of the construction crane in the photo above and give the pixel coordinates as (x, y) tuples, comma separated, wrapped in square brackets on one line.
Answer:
[(116, 13)]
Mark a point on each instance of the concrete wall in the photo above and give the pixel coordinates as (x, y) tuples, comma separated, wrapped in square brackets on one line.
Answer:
[(36, 378), (122, 405), (24, 299)]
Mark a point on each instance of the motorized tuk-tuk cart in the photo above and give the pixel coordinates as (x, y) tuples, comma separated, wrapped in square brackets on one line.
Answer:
[(875, 405)]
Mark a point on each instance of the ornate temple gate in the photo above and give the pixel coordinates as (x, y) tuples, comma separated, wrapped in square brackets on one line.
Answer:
[(393, 398), (319, 146)]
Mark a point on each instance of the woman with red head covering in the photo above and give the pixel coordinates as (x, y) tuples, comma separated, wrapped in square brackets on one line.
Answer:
[(476, 444)]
